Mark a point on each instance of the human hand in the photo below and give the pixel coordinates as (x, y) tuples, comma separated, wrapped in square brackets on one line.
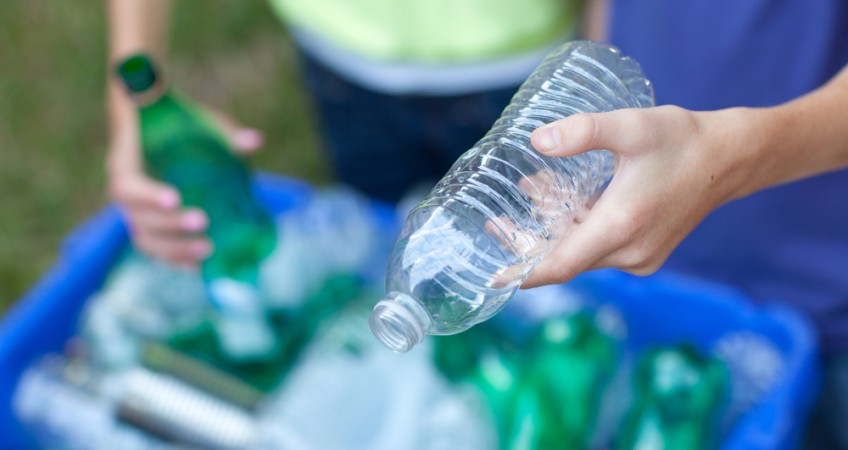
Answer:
[(672, 168), (158, 225)]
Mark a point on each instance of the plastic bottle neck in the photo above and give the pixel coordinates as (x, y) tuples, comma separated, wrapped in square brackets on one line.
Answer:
[(399, 322)]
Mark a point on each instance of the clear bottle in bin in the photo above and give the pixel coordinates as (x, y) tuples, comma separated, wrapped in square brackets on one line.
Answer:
[(142, 300), (181, 146), (348, 392), (332, 233), (503, 206)]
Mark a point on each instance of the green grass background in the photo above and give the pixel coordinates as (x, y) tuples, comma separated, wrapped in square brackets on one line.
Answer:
[(231, 55)]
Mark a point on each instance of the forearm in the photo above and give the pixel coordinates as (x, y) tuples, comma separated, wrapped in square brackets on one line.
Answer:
[(134, 26), (804, 137)]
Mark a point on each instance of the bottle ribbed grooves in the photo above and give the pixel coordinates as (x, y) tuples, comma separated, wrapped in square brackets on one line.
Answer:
[(581, 77), (502, 206)]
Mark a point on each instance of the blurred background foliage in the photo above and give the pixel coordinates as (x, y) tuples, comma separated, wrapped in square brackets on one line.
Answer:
[(233, 56)]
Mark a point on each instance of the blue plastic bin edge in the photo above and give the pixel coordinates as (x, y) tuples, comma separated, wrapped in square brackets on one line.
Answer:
[(23, 334), (775, 422)]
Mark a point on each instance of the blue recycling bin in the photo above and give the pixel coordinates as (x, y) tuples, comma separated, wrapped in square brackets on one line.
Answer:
[(664, 308)]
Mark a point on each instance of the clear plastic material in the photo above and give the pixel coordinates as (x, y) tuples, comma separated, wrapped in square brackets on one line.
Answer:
[(332, 233), (502, 206), (347, 392)]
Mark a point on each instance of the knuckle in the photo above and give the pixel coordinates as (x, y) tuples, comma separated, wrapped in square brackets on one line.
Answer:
[(144, 242), (643, 269), (553, 270), (640, 260), (683, 118), (633, 259), (563, 274), (156, 246), (134, 223), (140, 222)]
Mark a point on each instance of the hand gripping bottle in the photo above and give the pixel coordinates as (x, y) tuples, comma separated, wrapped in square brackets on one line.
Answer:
[(502, 206), (182, 147), (678, 392)]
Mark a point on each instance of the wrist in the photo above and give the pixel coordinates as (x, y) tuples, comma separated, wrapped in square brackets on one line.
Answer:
[(739, 146)]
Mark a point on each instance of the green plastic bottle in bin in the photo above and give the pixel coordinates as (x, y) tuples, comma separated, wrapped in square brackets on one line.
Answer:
[(678, 395), (544, 391), (574, 362), (182, 147), (557, 402)]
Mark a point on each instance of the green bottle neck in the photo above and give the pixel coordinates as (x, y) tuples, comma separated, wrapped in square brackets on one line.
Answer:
[(149, 97)]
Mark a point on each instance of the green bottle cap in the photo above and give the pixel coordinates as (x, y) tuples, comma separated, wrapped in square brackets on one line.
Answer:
[(138, 73)]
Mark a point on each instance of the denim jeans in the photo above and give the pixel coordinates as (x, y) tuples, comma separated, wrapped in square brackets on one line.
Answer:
[(828, 425), (383, 144)]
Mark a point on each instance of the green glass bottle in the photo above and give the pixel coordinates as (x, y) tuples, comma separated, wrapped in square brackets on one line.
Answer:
[(678, 392), (182, 147)]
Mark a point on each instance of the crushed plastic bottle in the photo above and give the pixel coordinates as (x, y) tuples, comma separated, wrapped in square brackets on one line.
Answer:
[(754, 365), (502, 206), (142, 300)]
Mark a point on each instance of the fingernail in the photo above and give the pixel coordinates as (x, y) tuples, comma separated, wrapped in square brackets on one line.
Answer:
[(169, 199), (201, 249), (248, 138), (547, 138), (194, 221)]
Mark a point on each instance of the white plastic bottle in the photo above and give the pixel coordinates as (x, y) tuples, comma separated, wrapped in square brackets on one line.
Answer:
[(502, 206)]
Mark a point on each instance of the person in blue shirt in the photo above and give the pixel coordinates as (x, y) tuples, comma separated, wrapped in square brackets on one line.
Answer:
[(742, 180)]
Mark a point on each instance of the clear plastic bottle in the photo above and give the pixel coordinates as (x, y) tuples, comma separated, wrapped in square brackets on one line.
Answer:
[(332, 233), (348, 393), (502, 206)]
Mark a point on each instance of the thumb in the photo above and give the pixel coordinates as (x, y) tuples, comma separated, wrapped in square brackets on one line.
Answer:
[(581, 133), (244, 140)]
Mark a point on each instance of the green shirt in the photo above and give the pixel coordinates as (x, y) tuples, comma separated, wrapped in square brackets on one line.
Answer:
[(433, 31)]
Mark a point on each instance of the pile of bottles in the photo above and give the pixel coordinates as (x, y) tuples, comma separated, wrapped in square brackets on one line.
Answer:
[(150, 338), (553, 371), (147, 370)]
